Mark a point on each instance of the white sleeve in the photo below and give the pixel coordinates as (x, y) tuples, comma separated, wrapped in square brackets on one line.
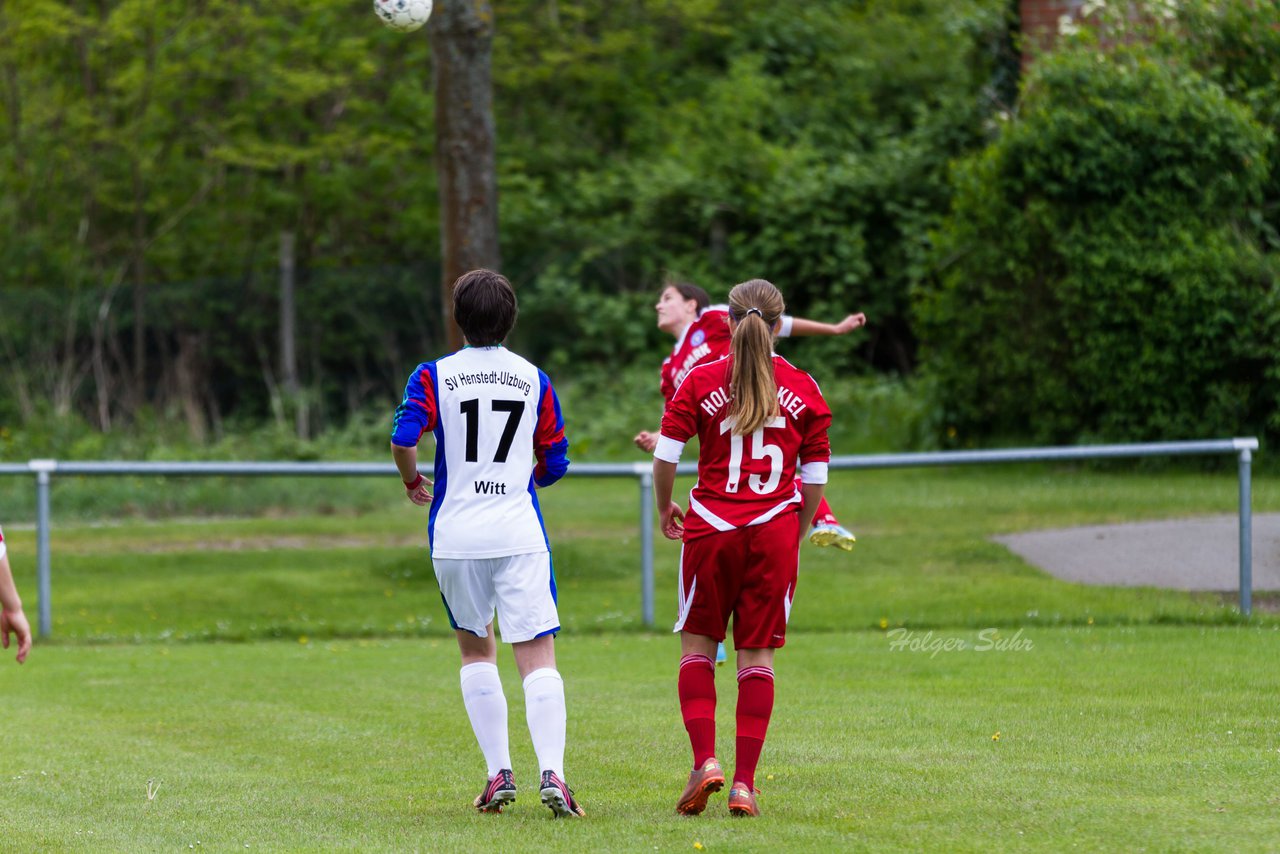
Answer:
[(784, 326), (2, 548), (668, 450), (813, 473)]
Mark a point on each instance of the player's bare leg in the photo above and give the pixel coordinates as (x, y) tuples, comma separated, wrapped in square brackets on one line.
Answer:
[(697, 689), (545, 712), (487, 709)]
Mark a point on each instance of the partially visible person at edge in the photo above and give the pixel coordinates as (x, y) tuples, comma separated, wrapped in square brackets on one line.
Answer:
[(499, 437), (12, 620), (701, 331), (757, 418)]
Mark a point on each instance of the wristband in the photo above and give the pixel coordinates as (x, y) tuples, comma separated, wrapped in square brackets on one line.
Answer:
[(411, 485)]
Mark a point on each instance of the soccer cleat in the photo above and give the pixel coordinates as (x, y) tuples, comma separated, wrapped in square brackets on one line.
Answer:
[(558, 797), (832, 535), (500, 792), (721, 655), (703, 783), (742, 801)]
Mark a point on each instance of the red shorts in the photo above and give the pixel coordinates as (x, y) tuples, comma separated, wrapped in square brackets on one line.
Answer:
[(747, 573)]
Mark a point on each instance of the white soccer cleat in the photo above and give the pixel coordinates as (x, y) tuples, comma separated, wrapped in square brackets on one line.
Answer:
[(832, 535)]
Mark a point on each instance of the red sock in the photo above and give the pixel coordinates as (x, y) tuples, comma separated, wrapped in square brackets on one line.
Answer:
[(697, 686), (755, 705), (824, 516)]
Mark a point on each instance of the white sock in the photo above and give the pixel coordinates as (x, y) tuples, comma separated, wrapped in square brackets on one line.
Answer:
[(487, 708), (544, 709)]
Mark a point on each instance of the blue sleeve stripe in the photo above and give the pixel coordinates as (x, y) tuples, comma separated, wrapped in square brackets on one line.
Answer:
[(554, 458), (441, 486), (413, 415)]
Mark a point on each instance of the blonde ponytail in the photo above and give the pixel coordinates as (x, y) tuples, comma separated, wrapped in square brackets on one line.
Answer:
[(756, 307)]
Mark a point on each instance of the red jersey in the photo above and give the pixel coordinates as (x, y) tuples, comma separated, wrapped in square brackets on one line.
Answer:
[(704, 340), (746, 480)]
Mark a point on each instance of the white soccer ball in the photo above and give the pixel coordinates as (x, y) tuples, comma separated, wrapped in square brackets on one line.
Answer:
[(403, 15)]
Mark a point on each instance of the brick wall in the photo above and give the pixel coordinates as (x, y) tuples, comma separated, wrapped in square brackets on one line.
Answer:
[(1040, 23)]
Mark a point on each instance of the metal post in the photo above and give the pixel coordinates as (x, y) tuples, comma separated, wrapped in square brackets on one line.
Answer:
[(1246, 533), (646, 547), (44, 583)]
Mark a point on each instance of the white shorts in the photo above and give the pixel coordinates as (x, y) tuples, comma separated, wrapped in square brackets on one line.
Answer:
[(521, 587)]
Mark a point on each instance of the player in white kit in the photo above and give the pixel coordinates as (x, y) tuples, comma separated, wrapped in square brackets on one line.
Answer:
[(499, 437)]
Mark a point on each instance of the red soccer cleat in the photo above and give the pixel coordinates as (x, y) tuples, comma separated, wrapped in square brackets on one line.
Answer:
[(742, 801), (703, 783)]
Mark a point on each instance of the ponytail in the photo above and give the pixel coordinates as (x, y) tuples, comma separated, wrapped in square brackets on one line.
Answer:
[(756, 307)]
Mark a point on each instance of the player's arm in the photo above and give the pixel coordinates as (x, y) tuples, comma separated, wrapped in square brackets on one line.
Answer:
[(679, 424), (800, 327), (811, 493), (550, 447), (670, 516), (647, 440), (12, 620), (416, 414)]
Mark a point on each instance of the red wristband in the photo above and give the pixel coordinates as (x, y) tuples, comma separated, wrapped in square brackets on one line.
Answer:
[(415, 483)]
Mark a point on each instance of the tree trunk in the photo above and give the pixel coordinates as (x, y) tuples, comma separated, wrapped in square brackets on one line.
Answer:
[(461, 55), (289, 336), (190, 379)]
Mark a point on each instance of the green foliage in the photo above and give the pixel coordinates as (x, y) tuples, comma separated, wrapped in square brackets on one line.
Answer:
[(156, 152), (1101, 274), (804, 143)]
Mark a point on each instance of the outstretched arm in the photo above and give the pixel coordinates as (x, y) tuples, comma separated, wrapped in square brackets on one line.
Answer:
[(801, 327)]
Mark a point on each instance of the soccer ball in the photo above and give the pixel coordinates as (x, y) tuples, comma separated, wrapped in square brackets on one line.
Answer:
[(403, 15)]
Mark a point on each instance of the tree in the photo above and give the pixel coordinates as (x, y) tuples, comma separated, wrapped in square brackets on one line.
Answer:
[(461, 57), (1100, 274)]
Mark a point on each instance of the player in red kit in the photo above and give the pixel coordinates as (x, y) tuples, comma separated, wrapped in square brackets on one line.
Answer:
[(701, 331), (760, 421)]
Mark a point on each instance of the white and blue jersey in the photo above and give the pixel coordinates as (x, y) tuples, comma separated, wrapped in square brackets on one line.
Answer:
[(499, 433)]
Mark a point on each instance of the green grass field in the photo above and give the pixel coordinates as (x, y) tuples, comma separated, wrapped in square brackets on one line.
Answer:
[(329, 717)]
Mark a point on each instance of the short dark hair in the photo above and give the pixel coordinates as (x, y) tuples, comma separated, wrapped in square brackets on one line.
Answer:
[(484, 305)]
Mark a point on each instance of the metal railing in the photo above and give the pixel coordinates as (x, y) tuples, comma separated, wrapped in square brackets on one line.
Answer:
[(44, 470)]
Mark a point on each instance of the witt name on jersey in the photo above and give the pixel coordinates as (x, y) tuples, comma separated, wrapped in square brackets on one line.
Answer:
[(499, 435)]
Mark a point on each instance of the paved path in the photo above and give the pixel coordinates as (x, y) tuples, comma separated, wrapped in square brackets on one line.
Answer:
[(1186, 554)]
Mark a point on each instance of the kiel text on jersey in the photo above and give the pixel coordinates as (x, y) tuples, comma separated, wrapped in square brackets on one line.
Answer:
[(788, 401)]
